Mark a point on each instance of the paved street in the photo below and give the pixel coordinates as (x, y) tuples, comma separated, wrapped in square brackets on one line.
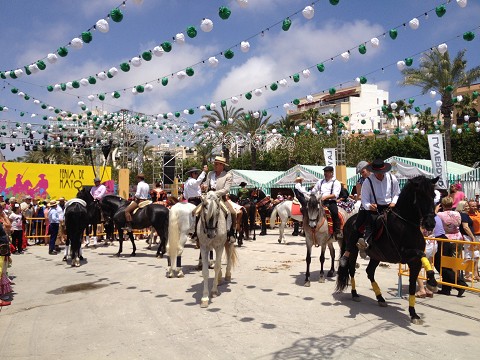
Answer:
[(126, 308)]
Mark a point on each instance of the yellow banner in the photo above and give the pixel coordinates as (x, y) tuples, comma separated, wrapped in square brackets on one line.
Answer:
[(48, 181)]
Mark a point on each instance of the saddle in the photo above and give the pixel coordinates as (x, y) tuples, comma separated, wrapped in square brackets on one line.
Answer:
[(75, 200), (142, 205), (296, 208), (263, 202), (330, 220)]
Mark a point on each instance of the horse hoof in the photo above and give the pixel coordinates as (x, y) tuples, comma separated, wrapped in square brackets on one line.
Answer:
[(204, 303), (279, 241), (416, 321), (215, 294), (133, 254), (382, 304), (169, 274), (228, 277), (307, 284), (64, 258), (117, 254), (77, 263), (321, 280), (180, 274)]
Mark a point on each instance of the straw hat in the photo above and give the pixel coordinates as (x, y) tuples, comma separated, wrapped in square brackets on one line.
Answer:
[(298, 179), (52, 203), (221, 160)]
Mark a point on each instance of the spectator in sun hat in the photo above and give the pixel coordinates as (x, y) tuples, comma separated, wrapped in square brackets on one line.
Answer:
[(54, 223)]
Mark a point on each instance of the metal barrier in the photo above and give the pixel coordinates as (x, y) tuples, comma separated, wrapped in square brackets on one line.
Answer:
[(36, 229), (457, 263)]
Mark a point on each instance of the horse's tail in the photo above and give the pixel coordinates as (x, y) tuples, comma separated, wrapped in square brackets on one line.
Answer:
[(273, 217), (231, 252), (173, 233)]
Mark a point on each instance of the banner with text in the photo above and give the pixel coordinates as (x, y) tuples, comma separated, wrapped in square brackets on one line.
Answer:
[(48, 181), (330, 155), (439, 166)]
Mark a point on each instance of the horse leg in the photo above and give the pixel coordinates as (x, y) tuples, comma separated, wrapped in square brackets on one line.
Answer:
[(281, 228), (162, 233), (180, 273), (132, 239), (204, 256), (94, 237), (263, 220), (321, 279), (331, 272), (415, 266), (308, 260), (120, 241), (372, 266), (218, 271)]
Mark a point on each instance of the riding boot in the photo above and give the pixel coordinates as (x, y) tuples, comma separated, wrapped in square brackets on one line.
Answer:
[(263, 232), (231, 236)]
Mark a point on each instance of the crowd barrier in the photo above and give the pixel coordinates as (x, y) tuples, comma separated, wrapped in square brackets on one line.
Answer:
[(36, 229), (456, 262)]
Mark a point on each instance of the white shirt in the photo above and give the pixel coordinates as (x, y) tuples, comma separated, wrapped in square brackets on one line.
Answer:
[(386, 191), (60, 212), (143, 190), (191, 188), (324, 187), (302, 189), (98, 192)]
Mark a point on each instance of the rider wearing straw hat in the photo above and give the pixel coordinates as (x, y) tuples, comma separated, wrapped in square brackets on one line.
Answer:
[(220, 181)]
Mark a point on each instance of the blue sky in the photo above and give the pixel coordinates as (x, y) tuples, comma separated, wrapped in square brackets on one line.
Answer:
[(32, 29)]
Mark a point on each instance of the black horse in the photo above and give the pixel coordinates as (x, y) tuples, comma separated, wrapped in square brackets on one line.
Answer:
[(76, 220), (94, 212), (155, 215), (400, 240), (243, 228)]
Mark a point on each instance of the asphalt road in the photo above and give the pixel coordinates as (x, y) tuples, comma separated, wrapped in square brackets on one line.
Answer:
[(126, 308)]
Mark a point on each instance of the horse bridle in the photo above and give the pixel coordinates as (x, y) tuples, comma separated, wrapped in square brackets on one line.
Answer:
[(205, 223)]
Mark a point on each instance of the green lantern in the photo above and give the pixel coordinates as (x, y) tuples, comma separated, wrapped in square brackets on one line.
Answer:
[(296, 78), (449, 88), (264, 112), (229, 54), (296, 102), (75, 84), (116, 15), (321, 67), (86, 37), (27, 70), (191, 32), (273, 86), (468, 36), (223, 103), (411, 101), (13, 75), (393, 34), (224, 12), (362, 49), (363, 121), (363, 80), (41, 65), (140, 89), (286, 24), (334, 2), (332, 91), (191, 111), (440, 10), (474, 95), (417, 108), (14, 90), (248, 95), (346, 119), (408, 61), (92, 80), (147, 55), (189, 71), (167, 47), (165, 81), (125, 67), (62, 51), (101, 97), (2, 75), (177, 114), (63, 86)]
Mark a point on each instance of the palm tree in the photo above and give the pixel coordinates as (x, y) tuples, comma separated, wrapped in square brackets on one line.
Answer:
[(466, 107), (311, 116), (222, 123), (437, 72), (204, 152), (249, 124), (286, 125), (426, 120), (395, 113)]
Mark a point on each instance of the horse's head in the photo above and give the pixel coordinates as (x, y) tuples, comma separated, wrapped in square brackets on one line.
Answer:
[(210, 213), (84, 194), (423, 196), (314, 211)]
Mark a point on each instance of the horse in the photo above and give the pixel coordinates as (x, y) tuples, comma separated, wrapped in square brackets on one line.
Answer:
[(151, 215), (398, 240), (152, 236), (242, 227), (264, 206), (76, 221), (212, 234), (181, 222), (94, 213)]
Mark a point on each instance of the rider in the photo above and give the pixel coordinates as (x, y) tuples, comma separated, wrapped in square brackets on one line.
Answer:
[(220, 181), (98, 192), (329, 189), (362, 213), (300, 191), (158, 194), (243, 194), (191, 189), (379, 192), (140, 195)]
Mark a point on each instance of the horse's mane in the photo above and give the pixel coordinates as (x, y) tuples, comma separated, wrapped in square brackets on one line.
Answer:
[(419, 183), (312, 205), (213, 203)]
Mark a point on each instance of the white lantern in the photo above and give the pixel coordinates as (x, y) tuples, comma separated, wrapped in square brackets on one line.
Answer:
[(206, 25), (393, 106), (438, 103), (414, 24), (375, 42), (308, 12), (244, 46), (442, 48), (433, 93)]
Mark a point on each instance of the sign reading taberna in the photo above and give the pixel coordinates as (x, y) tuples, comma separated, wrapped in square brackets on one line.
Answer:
[(439, 166), (330, 155), (48, 181)]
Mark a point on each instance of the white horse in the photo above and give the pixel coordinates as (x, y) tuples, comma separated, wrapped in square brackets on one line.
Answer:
[(181, 222), (212, 234), (284, 212)]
